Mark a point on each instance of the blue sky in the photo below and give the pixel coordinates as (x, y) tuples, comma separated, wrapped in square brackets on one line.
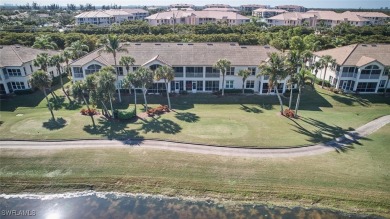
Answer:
[(306, 3)]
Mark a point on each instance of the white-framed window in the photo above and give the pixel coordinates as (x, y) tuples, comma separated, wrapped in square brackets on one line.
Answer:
[(119, 70), (31, 68), (14, 72), (250, 84), (78, 72), (252, 70), (135, 68), (229, 84), (212, 86), (18, 85), (370, 72), (382, 83), (230, 71), (51, 73), (92, 69)]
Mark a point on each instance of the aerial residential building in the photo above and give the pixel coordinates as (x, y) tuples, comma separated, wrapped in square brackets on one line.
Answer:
[(16, 67), (181, 6), (360, 67), (291, 8), (217, 6), (108, 17), (250, 8), (221, 9), (196, 18), (267, 13), (192, 62), (293, 19)]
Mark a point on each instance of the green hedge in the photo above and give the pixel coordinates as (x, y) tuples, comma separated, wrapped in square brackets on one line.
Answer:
[(125, 114), (319, 82), (235, 91), (23, 92)]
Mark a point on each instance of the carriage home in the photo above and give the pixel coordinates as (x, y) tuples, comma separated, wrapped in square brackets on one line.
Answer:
[(192, 62), (108, 17), (360, 67), (16, 67)]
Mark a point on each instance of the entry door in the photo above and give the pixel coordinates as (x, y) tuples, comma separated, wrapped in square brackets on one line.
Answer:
[(177, 86), (344, 85), (194, 87)]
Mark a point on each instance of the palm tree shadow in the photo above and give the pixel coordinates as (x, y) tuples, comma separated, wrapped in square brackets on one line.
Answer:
[(57, 102), (334, 136), (250, 109), (187, 117), (58, 123), (161, 126)]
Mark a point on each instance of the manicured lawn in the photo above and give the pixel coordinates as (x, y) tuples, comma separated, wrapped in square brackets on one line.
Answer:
[(233, 120), (355, 180)]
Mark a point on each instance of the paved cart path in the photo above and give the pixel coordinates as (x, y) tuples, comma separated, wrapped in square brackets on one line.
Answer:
[(338, 144)]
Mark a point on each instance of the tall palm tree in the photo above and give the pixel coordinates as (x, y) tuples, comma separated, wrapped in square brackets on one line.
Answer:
[(131, 81), (106, 84), (145, 77), (293, 62), (78, 90), (301, 78), (316, 66), (44, 42), (57, 60), (78, 49), (127, 61), (326, 61), (223, 65), (167, 74), (42, 81), (67, 54), (244, 73), (42, 61), (275, 68), (113, 46)]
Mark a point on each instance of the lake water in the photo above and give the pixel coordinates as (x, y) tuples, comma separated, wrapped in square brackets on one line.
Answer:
[(116, 205)]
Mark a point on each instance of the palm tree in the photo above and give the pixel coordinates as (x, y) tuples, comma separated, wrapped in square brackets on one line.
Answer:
[(223, 65), (67, 54), (293, 62), (244, 74), (44, 42), (131, 81), (275, 68), (167, 74), (78, 90), (57, 60), (387, 71), (316, 66), (78, 49), (42, 61), (42, 81), (145, 77), (301, 78), (127, 61), (326, 61), (106, 84), (112, 46)]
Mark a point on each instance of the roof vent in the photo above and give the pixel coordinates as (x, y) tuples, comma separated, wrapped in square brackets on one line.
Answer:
[(243, 47), (1, 47), (157, 44), (373, 45), (364, 45), (209, 44), (267, 47), (190, 44), (138, 44), (17, 46), (180, 44), (232, 44)]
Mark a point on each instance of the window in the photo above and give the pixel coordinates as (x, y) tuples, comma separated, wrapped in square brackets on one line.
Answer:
[(267, 89), (78, 72), (252, 70), (18, 85), (212, 86), (229, 84), (119, 70), (154, 67), (51, 73), (157, 88), (92, 69), (194, 72), (135, 68), (14, 72), (370, 72), (349, 72), (250, 84), (31, 68), (366, 87), (179, 71), (199, 85), (212, 72), (230, 71), (382, 83)]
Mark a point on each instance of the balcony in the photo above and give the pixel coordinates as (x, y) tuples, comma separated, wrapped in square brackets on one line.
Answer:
[(369, 76), (348, 75), (78, 75), (212, 75), (179, 74), (194, 74)]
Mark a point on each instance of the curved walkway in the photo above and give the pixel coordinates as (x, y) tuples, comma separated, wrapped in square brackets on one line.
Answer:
[(339, 144)]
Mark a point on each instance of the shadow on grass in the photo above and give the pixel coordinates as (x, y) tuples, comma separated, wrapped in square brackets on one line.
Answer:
[(250, 109), (187, 117), (57, 102), (349, 99), (51, 124), (334, 136), (112, 130), (161, 126)]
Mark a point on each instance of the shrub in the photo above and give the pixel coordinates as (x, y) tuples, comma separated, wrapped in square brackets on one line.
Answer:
[(183, 92), (89, 112), (234, 91), (289, 113), (319, 82), (23, 92), (158, 110), (126, 114)]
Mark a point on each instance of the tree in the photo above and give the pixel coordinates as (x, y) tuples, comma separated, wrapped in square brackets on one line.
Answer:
[(167, 74), (112, 45), (105, 85), (42, 81), (293, 61), (386, 72), (44, 42), (223, 65), (326, 61), (78, 90), (67, 54), (145, 77), (78, 49), (244, 74), (275, 68), (301, 78), (57, 60), (316, 66), (127, 61), (42, 61), (130, 81)]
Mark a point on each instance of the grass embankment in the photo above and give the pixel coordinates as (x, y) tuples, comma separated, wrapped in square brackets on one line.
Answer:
[(233, 120), (356, 180)]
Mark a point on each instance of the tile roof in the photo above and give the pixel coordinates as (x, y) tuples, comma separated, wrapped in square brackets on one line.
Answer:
[(359, 54), (184, 54), (220, 9), (200, 14), (270, 10), (109, 13), (15, 55)]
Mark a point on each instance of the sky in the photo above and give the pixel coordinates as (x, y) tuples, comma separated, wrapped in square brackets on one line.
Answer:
[(306, 3)]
